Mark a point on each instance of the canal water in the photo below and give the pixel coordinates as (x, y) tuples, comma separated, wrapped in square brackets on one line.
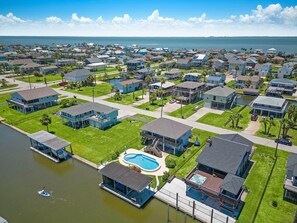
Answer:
[(76, 196)]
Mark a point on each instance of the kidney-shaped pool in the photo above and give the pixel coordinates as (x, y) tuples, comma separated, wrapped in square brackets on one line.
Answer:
[(144, 162)]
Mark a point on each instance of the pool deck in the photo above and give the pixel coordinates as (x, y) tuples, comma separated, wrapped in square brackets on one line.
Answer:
[(161, 161)]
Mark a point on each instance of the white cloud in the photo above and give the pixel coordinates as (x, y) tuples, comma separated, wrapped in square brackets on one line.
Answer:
[(202, 19), (100, 19), (81, 19), (273, 13), (125, 19), (53, 19), (10, 19), (155, 17)]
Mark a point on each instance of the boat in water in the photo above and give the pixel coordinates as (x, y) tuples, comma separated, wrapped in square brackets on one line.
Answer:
[(44, 193)]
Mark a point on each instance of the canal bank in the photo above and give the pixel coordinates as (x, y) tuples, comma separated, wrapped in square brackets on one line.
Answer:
[(76, 196)]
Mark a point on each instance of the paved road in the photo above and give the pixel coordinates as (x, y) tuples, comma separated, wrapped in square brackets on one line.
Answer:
[(131, 110)]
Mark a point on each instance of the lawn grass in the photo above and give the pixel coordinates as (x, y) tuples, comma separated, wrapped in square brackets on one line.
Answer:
[(90, 143), (128, 98), (33, 79), (231, 84), (220, 120), (108, 69), (109, 76), (255, 182), (99, 90), (153, 106), (187, 161), (274, 132), (263, 89), (8, 86), (187, 110)]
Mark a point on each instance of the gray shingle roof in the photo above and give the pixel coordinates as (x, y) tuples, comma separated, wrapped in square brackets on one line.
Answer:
[(232, 183), (86, 107), (93, 60), (272, 101), (190, 85), (223, 155), (237, 138), (220, 91), (283, 81), (78, 73), (49, 140), (36, 93), (292, 164), (126, 176), (166, 127)]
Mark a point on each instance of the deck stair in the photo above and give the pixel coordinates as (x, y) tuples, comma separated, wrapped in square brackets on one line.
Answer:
[(233, 102), (153, 148)]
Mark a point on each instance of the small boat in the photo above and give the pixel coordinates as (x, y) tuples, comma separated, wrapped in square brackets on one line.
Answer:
[(44, 193)]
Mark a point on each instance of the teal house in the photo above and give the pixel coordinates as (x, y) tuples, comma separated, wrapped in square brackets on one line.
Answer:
[(129, 86), (90, 113)]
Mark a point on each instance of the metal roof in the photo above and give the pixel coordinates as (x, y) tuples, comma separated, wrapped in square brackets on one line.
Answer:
[(232, 183), (126, 176), (36, 93), (237, 138), (166, 127), (89, 106), (223, 155), (292, 164), (49, 140), (220, 91), (78, 73)]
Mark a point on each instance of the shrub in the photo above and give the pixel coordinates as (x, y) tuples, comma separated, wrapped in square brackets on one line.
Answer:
[(165, 176), (114, 155), (170, 163), (136, 168), (274, 203)]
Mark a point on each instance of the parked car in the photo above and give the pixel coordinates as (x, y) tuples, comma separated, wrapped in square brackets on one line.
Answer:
[(284, 141), (254, 117), (171, 101)]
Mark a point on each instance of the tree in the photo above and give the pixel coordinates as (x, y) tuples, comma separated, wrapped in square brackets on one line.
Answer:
[(153, 98), (148, 64), (232, 119), (265, 121), (62, 76), (291, 110), (4, 82), (79, 85), (16, 69), (204, 74), (37, 75), (117, 96), (45, 120), (248, 83), (286, 125), (270, 124), (148, 81), (237, 117)]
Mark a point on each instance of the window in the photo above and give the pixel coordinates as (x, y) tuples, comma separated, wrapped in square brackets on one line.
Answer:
[(214, 98)]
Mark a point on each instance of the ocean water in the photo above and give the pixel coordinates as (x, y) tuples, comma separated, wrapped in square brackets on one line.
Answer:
[(287, 44)]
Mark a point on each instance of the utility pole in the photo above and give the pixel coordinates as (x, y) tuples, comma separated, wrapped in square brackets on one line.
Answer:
[(279, 131)]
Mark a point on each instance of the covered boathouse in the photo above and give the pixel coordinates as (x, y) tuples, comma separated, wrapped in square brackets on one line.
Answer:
[(126, 183), (49, 145)]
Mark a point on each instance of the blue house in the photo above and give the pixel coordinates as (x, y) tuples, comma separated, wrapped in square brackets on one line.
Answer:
[(214, 80), (90, 113), (194, 77), (222, 167), (77, 75), (165, 134), (32, 100), (129, 85)]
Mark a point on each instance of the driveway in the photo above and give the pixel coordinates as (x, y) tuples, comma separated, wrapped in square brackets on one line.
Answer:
[(202, 111)]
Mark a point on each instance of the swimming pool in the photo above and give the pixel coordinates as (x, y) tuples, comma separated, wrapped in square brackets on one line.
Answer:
[(144, 162), (198, 179)]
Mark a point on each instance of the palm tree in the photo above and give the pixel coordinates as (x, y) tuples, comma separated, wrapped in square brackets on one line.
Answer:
[(270, 124), (4, 82), (45, 120), (237, 69), (265, 121), (232, 119), (62, 76), (248, 83), (204, 74), (291, 110), (237, 116), (286, 125), (162, 94), (153, 98), (148, 81)]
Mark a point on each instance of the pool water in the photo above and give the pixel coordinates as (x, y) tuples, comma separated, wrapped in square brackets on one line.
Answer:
[(142, 161), (198, 179)]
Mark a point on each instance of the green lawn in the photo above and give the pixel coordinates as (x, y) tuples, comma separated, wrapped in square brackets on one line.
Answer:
[(274, 132), (8, 86), (109, 76), (108, 69), (90, 143), (255, 182), (33, 79), (275, 68), (263, 89), (151, 107), (99, 90), (128, 98), (186, 162), (220, 120), (187, 110), (230, 84)]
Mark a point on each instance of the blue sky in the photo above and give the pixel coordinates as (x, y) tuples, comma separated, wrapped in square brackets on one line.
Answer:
[(19, 17)]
